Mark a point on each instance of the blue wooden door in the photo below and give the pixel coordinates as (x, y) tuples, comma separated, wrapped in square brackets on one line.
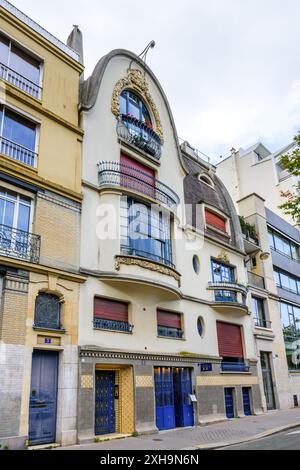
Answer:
[(105, 413), (184, 411), (247, 401), (229, 403), (43, 397), (164, 398)]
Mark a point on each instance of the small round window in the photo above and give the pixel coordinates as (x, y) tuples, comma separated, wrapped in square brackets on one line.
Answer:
[(196, 264), (200, 326)]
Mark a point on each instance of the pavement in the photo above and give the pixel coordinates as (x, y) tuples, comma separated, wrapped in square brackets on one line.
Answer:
[(287, 440), (212, 436)]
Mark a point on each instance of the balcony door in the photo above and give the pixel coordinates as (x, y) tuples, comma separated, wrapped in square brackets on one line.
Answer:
[(224, 274)]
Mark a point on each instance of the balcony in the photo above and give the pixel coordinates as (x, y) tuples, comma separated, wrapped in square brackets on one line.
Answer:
[(19, 244), (18, 152), (256, 281), (137, 133), (122, 327), (131, 251), (262, 323), (166, 332), (235, 367), (117, 175), (229, 296), (23, 83)]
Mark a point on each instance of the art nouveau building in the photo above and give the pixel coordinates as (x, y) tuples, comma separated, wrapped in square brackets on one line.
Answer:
[(165, 333), (40, 202)]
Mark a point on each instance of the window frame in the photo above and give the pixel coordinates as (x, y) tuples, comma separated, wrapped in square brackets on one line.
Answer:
[(140, 106), (273, 235), (278, 277)]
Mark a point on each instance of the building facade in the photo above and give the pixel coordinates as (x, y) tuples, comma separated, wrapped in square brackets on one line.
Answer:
[(164, 327), (40, 206), (274, 282)]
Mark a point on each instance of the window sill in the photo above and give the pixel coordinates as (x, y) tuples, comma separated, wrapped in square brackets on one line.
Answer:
[(173, 339), (113, 331), (61, 331), (18, 164), (235, 373), (220, 232), (16, 89)]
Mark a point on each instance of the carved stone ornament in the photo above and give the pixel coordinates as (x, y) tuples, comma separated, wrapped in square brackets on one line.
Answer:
[(224, 257), (147, 265), (135, 80)]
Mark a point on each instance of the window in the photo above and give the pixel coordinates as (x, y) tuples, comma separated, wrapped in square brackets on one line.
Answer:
[(196, 264), (146, 232), (258, 310), (231, 347), (131, 105), (223, 273), (215, 221), (206, 179), (138, 177), (283, 245), (287, 282), (47, 312), (290, 318), (111, 315), (169, 324), (17, 137), (200, 326), (19, 68)]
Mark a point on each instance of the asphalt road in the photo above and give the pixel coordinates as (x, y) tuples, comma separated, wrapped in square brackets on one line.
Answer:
[(287, 440)]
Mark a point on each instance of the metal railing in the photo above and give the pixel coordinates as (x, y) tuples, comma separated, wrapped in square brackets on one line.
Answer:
[(248, 237), (127, 177), (256, 280), (102, 324), (262, 323), (18, 244), (140, 135), (132, 251), (170, 332), (18, 152), (234, 367), (20, 81)]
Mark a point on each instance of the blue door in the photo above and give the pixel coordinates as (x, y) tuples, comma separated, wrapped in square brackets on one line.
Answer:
[(229, 403), (184, 411), (43, 397), (164, 395), (247, 401), (105, 414)]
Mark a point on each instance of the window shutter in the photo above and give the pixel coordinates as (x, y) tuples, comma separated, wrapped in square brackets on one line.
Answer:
[(110, 310), (230, 340), (137, 176), (168, 319), (215, 221)]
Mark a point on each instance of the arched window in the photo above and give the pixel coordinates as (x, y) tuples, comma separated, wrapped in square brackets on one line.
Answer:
[(132, 105), (47, 312), (204, 178)]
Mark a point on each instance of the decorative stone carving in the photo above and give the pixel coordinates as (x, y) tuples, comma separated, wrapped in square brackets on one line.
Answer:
[(224, 257), (135, 80), (152, 266)]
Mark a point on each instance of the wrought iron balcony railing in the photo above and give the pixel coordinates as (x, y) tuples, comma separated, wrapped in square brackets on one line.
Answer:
[(113, 174), (256, 280), (102, 324), (132, 251), (18, 152), (140, 135), (16, 79), (234, 367), (170, 332), (227, 294), (19, 244), (262, 323)]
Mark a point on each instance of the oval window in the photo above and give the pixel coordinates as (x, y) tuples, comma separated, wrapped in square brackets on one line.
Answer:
[(196, 264), (200, 326)]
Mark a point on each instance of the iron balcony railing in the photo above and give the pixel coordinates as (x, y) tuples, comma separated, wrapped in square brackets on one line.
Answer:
[(170, 332), (19, 244), (256, 280), (140, 135), (18, 152), (132, 251), (262, 323), (23, 83), (102, 324), (124, 176), (234, 367)]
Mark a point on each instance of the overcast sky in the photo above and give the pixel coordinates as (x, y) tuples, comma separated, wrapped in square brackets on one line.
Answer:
[(230, 68)]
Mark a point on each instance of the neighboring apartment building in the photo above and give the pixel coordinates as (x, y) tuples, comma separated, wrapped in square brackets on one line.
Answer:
[(40, 203), (165, 333), (255, 179)]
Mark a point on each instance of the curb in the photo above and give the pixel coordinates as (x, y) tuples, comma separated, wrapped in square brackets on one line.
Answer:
[(271, 432)]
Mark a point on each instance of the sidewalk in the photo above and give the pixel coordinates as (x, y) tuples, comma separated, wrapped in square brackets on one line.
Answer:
[(214, 435)]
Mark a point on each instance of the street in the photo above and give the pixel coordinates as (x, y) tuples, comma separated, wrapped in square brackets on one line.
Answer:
[(288, 440)]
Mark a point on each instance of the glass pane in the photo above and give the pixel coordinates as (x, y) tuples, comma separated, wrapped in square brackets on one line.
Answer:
[(24, 217), (271, 240), (134, 106), (9, 210), (25, 65), (19, 130), (4, 50)]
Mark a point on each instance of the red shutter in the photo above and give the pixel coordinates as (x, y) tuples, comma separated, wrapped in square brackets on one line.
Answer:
[(168, 319), (137, 176), (215, 220), (230, 340), (110, 310)]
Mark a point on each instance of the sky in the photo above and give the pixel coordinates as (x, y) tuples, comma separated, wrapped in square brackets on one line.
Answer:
[(230, 68)]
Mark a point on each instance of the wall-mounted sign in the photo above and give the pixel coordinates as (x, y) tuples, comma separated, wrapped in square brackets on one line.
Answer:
[(117, 392), (193, 398), (206, 367)]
